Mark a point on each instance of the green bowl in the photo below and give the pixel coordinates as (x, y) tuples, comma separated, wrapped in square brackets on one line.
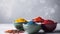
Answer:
[(31, 28), (19, 26)]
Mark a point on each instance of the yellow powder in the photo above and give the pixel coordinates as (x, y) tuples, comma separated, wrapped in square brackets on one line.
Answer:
[(20, 20)]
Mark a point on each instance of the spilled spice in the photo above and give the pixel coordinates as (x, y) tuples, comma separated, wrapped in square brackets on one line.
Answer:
[(14, 31)]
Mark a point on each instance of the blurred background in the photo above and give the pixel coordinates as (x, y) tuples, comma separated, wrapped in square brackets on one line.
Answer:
[(28, 9)]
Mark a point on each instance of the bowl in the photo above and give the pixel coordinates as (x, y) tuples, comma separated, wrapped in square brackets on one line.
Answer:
[(18, 23), (31, 28), (19, 26), (48, 27)]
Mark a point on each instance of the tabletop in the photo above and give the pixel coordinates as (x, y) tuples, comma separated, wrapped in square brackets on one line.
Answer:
[(4, 27)]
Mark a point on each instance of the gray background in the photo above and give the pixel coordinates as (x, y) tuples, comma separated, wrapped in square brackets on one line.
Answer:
[(28, 9)]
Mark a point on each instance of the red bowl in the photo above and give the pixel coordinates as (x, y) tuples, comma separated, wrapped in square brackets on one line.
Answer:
[(49, 27)]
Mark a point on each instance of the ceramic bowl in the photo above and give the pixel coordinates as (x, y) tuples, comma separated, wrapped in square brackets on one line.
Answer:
[(19, 26), (48, 27), (31, 28)]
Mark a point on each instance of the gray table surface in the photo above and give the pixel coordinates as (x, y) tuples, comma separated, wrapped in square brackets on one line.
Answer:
[(4, 27)]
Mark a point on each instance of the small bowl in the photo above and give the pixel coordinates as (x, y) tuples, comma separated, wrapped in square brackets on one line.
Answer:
[(48, 27), (31, 28), (18, 23), (19, 26)]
